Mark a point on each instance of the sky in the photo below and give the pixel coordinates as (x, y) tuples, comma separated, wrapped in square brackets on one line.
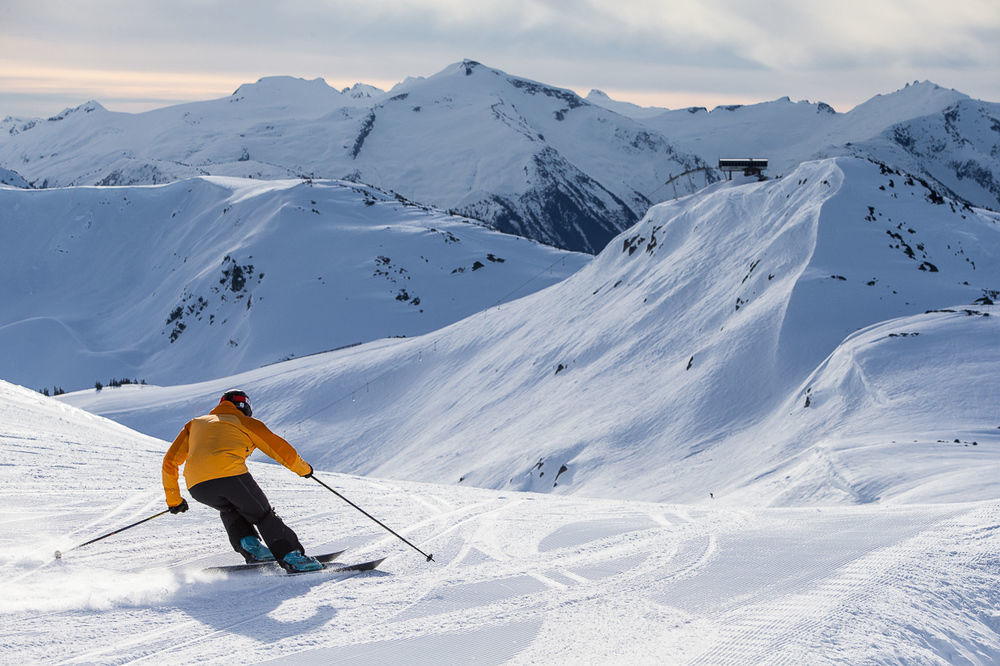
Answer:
[(134, 55)]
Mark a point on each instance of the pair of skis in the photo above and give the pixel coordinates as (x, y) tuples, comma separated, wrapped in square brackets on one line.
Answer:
[(328, 557), (325, 559)]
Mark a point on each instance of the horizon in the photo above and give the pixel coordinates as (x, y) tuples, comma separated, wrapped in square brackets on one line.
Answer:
[(208, 88), (134, 58)]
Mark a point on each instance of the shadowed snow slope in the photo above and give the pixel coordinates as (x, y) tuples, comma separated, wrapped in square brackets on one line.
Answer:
[(766, 343), (213, 276), (12, 178), (517, 578)]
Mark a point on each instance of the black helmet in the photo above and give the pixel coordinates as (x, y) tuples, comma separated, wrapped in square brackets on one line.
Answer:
[(238, 398)]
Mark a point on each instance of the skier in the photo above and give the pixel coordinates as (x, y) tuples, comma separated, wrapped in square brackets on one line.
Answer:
[(213, 449)]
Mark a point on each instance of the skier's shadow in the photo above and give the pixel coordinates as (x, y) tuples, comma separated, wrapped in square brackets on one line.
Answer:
[(245, 603)]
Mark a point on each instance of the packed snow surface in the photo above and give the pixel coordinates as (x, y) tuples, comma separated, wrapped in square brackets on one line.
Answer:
[(517, 577)]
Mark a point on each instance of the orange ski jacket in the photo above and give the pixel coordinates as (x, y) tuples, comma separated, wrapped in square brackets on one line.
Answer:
[(217, 445)]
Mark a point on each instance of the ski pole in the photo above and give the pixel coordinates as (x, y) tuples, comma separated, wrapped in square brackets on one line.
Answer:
[(430, 558), (127, 527)]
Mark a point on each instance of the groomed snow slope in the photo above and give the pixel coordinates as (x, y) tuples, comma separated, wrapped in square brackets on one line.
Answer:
[(519, 577), (765, 343), (213, 276)]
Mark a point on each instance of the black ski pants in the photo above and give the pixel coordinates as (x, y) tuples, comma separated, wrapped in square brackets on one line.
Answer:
[(245, 510)]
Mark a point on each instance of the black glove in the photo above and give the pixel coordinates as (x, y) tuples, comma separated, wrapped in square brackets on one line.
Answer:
[(180, 508), (308, 475)]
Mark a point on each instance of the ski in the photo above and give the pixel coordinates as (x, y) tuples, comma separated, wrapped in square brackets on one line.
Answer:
[(335, 569), (257, 566), (363, 566)]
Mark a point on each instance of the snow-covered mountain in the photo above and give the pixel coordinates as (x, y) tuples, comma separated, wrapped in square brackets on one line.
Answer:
[(788, 133), (958, 147), (525, 157), (211, 276), (517, 578), (807, 368), (752, 341), (939, 134), (362, 90)]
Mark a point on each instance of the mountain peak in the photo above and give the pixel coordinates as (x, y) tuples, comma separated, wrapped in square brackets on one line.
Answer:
[(926, 95), (86, 107), (466, 67), (479, 71), (921, 97), (928, 89), (923, 84), (284, 89), (284, 80), (362, 91)]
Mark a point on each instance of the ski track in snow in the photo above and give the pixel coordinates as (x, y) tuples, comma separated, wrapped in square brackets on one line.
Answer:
[(519, 578)]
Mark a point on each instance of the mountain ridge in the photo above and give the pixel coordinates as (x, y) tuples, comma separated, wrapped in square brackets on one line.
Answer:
[(686, 342), (524, 156), (471, 139), (255, 271)]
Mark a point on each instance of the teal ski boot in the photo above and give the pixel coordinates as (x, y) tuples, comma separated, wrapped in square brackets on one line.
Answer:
[(254, 551), (296, 562)]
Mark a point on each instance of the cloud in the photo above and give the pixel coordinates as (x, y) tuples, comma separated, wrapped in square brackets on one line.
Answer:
[(722, 48)]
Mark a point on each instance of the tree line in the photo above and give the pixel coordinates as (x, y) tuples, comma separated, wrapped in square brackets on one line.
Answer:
[(58, 390)]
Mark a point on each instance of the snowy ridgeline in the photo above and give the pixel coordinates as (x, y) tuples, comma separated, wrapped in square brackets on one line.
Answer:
[(211, 276), (518, 577), (527, 157), (827, 338), (939, 134)]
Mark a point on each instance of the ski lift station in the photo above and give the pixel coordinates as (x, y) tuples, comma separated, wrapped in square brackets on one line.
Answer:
[(750, 166)]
